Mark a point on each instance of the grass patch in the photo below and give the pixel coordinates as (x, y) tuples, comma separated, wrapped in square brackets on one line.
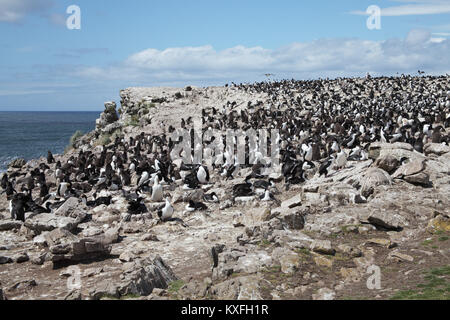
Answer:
[(427, 242), (105, 139), (436, 287), (175, 286), (264, 243), (134, 121), (444, 238), (75, 137)]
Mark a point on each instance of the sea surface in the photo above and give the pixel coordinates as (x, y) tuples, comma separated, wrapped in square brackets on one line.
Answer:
[(30, 135)]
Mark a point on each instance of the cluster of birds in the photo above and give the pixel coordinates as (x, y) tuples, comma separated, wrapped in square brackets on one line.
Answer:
[(321, 124)]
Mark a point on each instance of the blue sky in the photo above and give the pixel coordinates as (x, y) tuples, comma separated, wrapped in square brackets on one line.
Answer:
[(46, 66)]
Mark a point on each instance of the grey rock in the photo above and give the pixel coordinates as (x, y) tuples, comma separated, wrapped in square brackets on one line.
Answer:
[(226, 263), (387, 162), (40, 239), (38, 259), (293, 202), (421, 178), (49, 222), (5, 260), (410, 168), (72, 208), (17, 163), (293, 219), (20, 257), (241, 288), (288, 259), (322, 247), (108, 116), (6, 225), (73, 295), (324, 294), (349, 251), (65, 246), (387, 220), (252, 262), (2, 295), (144, 276), (372, 178), (436, 149)]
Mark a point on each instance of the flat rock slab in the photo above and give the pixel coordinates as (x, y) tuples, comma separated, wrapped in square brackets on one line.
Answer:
[(387, 220), (7, 225), (49, 222), (436, 148), (322, 247), (410, 168), (293, 202)]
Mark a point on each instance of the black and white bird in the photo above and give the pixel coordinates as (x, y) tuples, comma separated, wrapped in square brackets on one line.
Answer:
[(167, 212), (196, 206)]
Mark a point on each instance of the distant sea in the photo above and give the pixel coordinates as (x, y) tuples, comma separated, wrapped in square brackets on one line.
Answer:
[(30, 135)]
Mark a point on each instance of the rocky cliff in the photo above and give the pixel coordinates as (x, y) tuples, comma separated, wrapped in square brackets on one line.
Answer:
[(320, 240)]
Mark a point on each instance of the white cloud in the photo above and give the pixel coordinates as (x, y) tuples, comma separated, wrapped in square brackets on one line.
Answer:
[(14, 11), (414, 7), (320, 58)]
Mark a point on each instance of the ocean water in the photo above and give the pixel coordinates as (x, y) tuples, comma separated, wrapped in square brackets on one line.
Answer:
[(30, 135)]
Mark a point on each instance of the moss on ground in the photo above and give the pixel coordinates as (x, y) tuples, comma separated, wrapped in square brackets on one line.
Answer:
[(435, 287)]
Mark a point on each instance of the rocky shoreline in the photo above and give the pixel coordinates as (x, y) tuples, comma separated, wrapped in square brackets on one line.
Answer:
[(316, 242)]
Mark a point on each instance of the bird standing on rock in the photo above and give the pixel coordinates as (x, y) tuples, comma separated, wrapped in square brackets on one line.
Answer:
[(167, 212)]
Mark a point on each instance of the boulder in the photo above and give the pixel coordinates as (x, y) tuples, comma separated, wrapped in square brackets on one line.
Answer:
[(349, 251), (17, 163), (436, 149), (139, 277), (49, 222), (387, 162), (226, 262), (410, 168), (376, 149), (372, 178), (72, 208), (6, 225), (5, 260), (292, 203), (108, 116), (387, 220), (398, 256), (252, 262), (412, 172), (440, 223), (20, 257), (240, 288), (293, 219), (322, 247), (289, 260), (324, 294), (66, 246), (421, 179)]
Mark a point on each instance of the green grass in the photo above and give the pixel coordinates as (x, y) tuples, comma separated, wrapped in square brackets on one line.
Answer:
[(264, 243), (436, 287), (105, 139), (75, 137), (175, 286), (134, 121), (444, 238)]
